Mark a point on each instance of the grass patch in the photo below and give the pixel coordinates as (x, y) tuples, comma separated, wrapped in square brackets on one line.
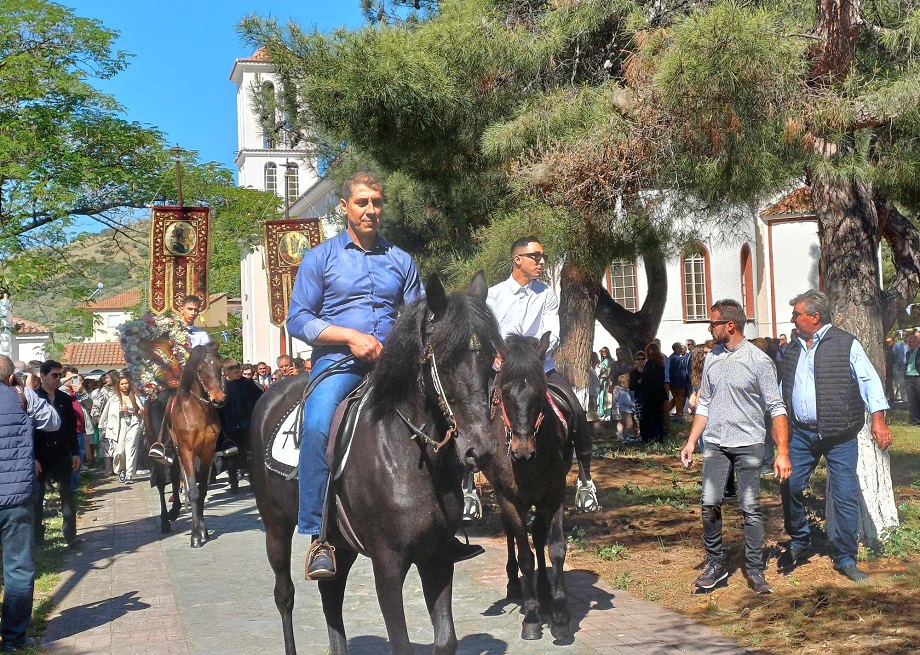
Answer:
[(613, 553), (49, 562)]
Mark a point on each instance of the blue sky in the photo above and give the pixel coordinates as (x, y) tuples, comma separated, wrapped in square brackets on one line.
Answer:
[(189, 46)]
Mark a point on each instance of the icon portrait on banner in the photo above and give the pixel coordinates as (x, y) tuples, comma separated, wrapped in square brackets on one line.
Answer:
[(180, 238), (292, 246)]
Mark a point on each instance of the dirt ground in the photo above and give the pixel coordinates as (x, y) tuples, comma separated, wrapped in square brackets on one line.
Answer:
[(647, 538)]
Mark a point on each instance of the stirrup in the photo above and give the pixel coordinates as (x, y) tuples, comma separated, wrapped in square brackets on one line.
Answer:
[(229, 450), (586, 497), (158, 453), (472, 506)]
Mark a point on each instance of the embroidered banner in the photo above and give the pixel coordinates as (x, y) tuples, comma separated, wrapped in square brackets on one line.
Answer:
[(286, 242), (178, 256)]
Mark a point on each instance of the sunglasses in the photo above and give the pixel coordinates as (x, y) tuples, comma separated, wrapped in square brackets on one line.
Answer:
[(537, 257), (53, 375), (713, 324)]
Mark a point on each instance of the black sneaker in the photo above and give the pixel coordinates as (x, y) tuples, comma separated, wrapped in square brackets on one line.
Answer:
[(854, 573), (792, 557), (320, 562), (713, 573), (758, 583)]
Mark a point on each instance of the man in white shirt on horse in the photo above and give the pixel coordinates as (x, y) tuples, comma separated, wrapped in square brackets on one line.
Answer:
[(525, 306)]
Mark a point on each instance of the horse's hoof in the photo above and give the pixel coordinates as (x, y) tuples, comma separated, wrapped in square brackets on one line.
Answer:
[(561, 631), (196, 541), (513, 591), (532, 631)]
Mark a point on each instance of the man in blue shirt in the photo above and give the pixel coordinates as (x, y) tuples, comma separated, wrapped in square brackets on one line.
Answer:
[(345, 301), (828, 383)]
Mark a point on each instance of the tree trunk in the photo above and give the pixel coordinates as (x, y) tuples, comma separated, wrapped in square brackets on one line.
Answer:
[(848, 229), (904, 240), (577, 307), (635, 330)]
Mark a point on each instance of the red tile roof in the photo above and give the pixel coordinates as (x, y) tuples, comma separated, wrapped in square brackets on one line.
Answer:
[(797, 202), (94, 354), (25, 326), (122, 300)]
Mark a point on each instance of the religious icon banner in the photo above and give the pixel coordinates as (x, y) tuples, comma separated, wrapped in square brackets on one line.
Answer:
[(178, 256), (286, 242)]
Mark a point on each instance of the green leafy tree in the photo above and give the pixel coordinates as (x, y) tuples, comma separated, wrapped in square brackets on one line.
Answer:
[(459, 105), (67, 155)]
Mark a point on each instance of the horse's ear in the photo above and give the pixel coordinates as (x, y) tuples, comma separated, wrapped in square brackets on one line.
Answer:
[(435, 296), (502, 349), (544, 344), (479, 289)]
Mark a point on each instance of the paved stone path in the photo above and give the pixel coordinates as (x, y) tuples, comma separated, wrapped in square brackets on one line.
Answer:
[(131, 591)]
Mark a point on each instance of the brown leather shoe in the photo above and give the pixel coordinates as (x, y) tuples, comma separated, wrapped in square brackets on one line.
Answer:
[(320, 561)]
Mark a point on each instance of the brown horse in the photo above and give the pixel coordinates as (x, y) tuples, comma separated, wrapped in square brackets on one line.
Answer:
[(194, 426)]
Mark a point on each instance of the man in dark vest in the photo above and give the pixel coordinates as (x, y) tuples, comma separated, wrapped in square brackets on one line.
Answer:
[(21, 411), (57, 454), (828, 383)]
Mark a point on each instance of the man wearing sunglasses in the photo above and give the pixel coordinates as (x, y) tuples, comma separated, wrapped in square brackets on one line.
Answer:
[(523, 305), (57, 454), (828, 385), (738, 389)]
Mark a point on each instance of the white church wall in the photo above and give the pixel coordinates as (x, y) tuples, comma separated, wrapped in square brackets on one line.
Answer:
[(795, 252)]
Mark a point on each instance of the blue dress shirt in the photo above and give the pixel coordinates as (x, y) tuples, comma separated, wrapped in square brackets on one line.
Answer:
[(341, 284), (804, 403)]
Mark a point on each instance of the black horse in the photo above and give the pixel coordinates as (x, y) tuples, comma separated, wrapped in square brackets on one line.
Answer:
[(401, 489), (528, 470)]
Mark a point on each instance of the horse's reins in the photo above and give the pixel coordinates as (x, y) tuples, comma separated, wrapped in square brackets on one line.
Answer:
[(443, 404)]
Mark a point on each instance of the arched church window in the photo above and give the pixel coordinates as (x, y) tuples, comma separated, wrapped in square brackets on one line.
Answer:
[(271, 177), (695, 284), (293, 184), (621, 283)]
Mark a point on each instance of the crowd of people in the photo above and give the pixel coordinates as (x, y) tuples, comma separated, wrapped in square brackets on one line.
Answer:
[(759, 406)]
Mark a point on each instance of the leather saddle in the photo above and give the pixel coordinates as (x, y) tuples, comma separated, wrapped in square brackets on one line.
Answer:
[(342, 430)]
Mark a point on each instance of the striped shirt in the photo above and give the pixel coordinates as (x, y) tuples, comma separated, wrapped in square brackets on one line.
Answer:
[(739, 388)]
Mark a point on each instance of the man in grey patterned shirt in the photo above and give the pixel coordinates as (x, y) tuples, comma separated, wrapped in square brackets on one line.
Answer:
[(739, 387)]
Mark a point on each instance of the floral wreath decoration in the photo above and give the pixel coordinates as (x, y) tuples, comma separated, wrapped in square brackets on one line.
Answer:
[(156, 348)]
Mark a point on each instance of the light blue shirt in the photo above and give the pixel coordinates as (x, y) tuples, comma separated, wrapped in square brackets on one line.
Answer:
[(340, 284), (529, 310), (804, 402)]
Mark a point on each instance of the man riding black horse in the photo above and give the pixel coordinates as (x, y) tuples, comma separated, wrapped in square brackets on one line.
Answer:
[(345, 301), (525, 306)]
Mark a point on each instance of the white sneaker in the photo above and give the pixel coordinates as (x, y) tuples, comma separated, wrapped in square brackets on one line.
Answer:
[(472, 506), (586, 497)]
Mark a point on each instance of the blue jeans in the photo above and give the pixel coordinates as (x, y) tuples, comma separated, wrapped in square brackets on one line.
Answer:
[(16, 525), (805, 449), (317, 418), (75, 476), (718, 462)]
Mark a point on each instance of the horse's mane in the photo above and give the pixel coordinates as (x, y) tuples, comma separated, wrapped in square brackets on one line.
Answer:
[(189, 371), (522, 364), (397, 374)]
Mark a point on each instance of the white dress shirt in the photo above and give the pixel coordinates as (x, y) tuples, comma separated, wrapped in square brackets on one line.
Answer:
[(529, 310), (197, 336)]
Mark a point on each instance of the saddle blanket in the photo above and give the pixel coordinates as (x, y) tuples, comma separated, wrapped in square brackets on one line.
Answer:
[(282, 452)]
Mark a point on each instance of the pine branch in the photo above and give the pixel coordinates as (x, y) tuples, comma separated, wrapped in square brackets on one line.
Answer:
[(904, 239)]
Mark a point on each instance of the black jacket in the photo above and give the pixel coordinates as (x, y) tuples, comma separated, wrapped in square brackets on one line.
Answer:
[(63, 441)]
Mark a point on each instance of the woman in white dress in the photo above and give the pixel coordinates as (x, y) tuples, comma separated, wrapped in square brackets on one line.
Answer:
[(121, 420)]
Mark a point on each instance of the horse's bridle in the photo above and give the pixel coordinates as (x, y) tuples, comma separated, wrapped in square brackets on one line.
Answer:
[(207, 401), (447, 412), (499, 402)]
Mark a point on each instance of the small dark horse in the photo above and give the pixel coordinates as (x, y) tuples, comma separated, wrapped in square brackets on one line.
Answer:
[(190, 415), (401, 494), (528, 470)]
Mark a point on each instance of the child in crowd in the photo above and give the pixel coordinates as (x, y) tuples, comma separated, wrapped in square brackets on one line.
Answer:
[(626, 405)]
